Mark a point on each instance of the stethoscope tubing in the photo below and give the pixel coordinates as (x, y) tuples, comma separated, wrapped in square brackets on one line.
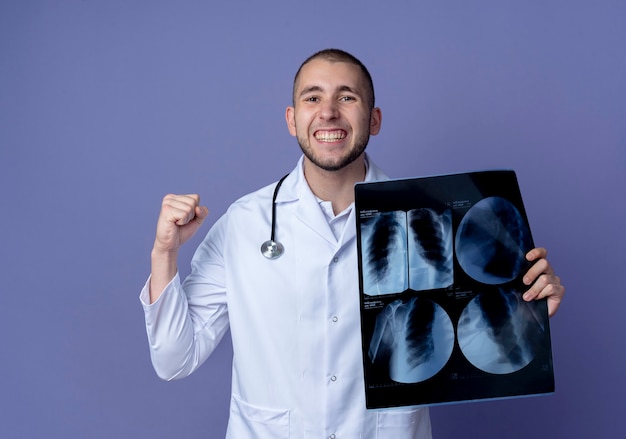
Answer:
[(273, 249)]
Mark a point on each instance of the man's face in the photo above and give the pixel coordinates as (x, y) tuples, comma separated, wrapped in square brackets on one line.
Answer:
[(331, 118)]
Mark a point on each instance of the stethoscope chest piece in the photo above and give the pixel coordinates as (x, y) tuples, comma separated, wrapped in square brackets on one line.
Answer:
[(272, 249)]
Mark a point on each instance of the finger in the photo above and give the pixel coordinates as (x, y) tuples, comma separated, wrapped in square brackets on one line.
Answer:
[(541, 266), (201, 213), (181, 202), (537, 253), (545, 286), (554, 301), (533, 291), (553, 292), (179, 209), (552, 288)]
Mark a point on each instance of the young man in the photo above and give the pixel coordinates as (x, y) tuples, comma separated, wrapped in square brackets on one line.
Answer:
[(295, 322)]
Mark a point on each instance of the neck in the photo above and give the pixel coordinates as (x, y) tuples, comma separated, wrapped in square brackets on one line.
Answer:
[(335, 186)]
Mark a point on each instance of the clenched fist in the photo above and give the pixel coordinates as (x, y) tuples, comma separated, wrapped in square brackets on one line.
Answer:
[(180, 218)]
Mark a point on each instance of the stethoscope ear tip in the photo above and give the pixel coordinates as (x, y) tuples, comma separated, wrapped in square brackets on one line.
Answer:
[(272, 249)]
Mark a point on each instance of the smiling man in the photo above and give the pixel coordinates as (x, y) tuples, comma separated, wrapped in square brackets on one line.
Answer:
[(333, 116), (295, 323)]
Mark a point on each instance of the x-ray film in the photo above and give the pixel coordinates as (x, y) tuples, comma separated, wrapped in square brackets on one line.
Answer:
[(440, 265)]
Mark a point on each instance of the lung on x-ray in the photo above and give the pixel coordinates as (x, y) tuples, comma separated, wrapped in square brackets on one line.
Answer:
[(442, 316), (414, 337), (403, 250)]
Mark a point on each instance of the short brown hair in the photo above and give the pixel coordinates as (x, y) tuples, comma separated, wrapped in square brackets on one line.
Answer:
[(338, 55)]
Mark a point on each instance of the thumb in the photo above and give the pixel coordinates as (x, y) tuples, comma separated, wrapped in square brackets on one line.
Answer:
[(189, 229), (201, 213)]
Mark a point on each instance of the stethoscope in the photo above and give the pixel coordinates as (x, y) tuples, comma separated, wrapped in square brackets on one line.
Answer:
[(273, 249)]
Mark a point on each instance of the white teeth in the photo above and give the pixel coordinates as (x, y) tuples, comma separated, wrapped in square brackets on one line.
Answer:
[(330, 136)]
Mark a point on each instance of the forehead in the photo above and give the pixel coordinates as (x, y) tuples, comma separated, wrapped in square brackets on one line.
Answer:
[(324, 74)]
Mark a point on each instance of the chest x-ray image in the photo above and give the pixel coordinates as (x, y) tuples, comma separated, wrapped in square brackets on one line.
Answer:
[(430, 249), (492, 240), (499, 332), (384, 253), (407, 250), (414, 338), (443, 319)]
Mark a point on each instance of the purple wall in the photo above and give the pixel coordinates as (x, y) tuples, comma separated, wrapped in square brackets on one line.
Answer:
[(106, 106)]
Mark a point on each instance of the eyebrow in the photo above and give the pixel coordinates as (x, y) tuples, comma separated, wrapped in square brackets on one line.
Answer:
[(317, 88)]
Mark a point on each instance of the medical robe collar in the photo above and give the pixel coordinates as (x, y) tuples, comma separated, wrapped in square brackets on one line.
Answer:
[(295, 187)]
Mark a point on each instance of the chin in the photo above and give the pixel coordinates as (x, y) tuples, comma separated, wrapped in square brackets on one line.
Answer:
[(333, 164)]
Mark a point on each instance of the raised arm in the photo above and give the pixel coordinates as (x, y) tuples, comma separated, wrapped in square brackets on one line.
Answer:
[(180, 218)]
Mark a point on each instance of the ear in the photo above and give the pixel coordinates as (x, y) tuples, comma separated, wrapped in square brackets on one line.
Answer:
[(290, 117), (376, 120)]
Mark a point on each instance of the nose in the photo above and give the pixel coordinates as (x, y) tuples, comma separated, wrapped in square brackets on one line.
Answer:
[(328, 110)]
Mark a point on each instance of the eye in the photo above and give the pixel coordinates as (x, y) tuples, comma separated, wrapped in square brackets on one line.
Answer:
[(311, 99), (347, 98)]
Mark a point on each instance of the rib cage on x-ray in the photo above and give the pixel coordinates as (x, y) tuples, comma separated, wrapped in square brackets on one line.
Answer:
[(407, 250), (430, 249), (498, 331), (415, 338), (384, 253)]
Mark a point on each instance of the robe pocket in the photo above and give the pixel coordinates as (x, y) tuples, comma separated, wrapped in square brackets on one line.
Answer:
[(251, 421), (403, 423)]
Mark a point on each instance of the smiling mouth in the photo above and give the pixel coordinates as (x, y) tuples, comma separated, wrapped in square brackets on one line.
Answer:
[(330, 136)]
